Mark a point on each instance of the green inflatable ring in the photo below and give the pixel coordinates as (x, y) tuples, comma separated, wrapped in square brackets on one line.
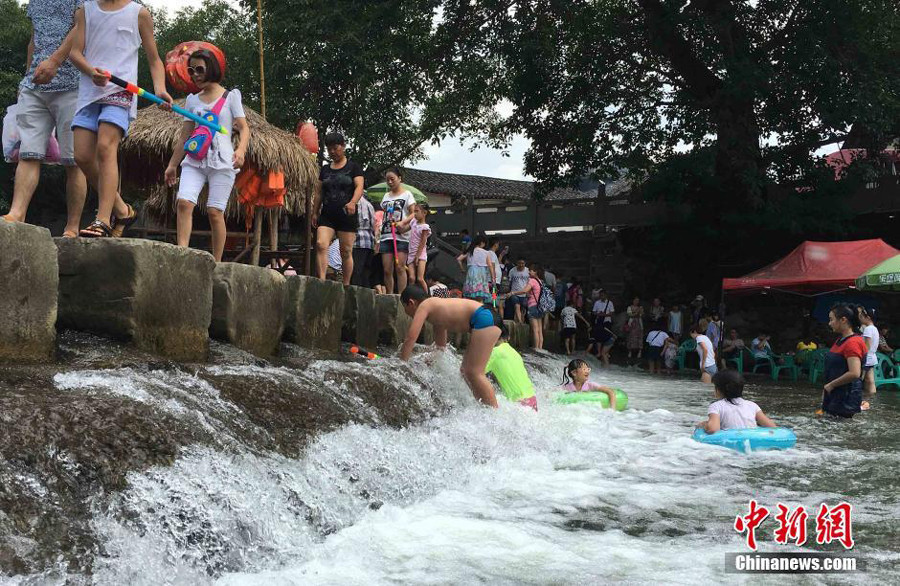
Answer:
[(594, 397)]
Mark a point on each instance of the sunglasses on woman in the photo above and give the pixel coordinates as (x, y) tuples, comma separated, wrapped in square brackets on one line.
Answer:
[(198, 70)]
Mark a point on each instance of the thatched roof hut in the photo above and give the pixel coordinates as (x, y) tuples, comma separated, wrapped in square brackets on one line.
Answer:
[(152, 136)]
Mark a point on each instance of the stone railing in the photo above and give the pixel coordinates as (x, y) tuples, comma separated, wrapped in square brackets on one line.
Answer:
[(170, 300)]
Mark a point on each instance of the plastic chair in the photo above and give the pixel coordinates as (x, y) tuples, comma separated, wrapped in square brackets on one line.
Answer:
[(886, 372), (738, 360), (683, 349), (771, 360), (816, 365)]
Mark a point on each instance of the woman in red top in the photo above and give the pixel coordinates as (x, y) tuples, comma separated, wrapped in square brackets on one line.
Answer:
[(842, 394)]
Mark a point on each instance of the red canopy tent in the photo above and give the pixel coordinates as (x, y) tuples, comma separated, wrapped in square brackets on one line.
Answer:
[(814, 268)]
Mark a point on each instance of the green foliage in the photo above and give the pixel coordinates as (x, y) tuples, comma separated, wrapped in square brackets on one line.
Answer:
[(366, 69), (14, 36), (599, 86), (231, 29)]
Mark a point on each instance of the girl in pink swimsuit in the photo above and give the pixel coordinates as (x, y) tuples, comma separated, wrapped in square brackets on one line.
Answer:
[(575, 380)]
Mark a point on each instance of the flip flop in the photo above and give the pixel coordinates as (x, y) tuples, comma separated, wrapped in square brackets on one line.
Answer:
[(96, 229), (122, 224), (7, 220), (70, 234)]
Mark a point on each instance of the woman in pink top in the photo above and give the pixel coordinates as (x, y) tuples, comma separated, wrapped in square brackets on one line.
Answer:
[(575, 380), (532, 293)]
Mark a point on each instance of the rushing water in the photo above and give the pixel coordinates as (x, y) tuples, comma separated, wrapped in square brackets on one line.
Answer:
[(569, 495)]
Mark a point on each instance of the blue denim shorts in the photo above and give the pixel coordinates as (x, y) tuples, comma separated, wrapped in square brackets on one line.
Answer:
[(93, 114)]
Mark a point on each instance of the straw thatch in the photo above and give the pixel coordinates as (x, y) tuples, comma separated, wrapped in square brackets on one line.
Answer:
[(152, 136)]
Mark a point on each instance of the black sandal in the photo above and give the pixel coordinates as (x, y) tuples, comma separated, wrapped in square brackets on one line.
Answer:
[(97, 229), (122, 224)]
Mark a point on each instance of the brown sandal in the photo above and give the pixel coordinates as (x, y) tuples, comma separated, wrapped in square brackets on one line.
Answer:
[(122, 224), (96, 229)]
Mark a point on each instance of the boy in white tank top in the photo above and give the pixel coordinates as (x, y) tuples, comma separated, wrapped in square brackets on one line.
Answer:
[(108, 34)]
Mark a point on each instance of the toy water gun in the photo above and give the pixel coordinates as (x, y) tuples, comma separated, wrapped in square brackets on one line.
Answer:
[(494, 295), (215, 127), (364, 353), (394, 236)]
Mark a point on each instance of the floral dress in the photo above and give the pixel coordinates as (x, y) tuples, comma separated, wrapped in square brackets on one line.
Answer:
[(635, 337)]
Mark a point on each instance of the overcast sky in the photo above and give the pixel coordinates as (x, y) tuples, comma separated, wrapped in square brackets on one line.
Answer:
[(450, 156)]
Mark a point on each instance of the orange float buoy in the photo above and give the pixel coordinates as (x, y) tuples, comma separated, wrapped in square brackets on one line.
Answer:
[(177, 64), (309, 136)]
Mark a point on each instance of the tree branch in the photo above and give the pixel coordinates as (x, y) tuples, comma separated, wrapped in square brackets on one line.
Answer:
[(672, 46)]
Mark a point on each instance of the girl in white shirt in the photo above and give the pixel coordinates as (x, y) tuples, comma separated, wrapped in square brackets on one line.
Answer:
[(872, 338), (222, 161), (732, 411)]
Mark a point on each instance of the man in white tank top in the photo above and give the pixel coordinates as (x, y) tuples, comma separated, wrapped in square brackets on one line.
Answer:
[(107, 38)]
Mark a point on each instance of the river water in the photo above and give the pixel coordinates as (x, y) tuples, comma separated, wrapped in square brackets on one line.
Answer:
[(460, 494)]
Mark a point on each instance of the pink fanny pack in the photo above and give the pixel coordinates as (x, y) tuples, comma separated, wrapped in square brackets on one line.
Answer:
[(197, 145)]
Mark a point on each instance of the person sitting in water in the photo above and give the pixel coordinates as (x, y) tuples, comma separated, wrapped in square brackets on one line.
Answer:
[(506, 365), (732, 411), (455, 315), (575, 380), (842, 393)]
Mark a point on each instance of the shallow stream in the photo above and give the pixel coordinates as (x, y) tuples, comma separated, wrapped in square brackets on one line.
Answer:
[(332, 470)]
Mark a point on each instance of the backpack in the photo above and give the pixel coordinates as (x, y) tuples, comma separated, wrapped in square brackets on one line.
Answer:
[(197, 145), (547, 300)]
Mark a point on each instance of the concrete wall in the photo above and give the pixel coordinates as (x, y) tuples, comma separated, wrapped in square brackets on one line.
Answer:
[(29, 281), (249, 307), (154, 295), (170, 300)]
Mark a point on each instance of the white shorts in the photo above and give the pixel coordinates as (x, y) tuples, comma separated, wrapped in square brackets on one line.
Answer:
[(38, 113), (221, 182)]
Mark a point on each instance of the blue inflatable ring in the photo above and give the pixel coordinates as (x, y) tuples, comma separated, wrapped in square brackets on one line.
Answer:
[(749, 439)]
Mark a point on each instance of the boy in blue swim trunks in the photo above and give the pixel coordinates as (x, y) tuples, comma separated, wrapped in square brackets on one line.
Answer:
[(455, 315)]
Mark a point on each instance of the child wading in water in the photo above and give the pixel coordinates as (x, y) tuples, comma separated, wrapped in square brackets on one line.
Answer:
[(455, 315), (732, 411), (508, 368), (575, 380), (219, 166), (108, 34), (419, 231)]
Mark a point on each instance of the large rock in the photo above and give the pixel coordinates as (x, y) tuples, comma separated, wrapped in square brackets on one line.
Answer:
[(314, 313), (29, 283), (157, 296), (393, 323), (519, 335), (360, 326), (551, 341), (249, 307)]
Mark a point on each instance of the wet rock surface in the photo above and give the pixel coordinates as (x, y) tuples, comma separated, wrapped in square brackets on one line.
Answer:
[(73, 432)]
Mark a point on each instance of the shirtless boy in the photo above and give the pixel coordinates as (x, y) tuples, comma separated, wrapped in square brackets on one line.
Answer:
[(455, 315)]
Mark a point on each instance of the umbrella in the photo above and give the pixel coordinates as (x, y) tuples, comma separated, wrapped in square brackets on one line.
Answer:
[(376, 192), (884, 276)]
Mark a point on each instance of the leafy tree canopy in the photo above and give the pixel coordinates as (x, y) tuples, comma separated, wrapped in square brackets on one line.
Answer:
[(600, 85)]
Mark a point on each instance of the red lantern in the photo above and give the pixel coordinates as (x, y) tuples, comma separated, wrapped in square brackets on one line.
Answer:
[(309, 136), (177, 64)]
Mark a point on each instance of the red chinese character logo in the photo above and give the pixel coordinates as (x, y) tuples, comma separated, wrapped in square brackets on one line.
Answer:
[(835, 525), (749, 523), (791, 527)]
